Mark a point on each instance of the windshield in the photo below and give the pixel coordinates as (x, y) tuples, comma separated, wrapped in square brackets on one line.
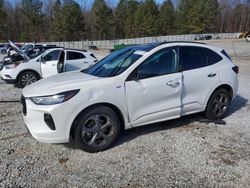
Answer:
[(114, 64), (27, 46), (34, 52)]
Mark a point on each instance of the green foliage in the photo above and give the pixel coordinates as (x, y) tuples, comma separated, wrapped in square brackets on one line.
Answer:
[(104, 20), (146, 19), (167, 18), (197, 16), (3, 24), (130, 25), (120, 15), (68, 21), (36, 20), (32, 20)]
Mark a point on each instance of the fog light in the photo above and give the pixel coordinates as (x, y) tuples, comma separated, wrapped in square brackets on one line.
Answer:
[(7, 76), (49, 121)]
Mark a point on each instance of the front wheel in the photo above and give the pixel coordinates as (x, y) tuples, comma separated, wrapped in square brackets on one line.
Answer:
[(97, 129), (218, 105), (27, 78)]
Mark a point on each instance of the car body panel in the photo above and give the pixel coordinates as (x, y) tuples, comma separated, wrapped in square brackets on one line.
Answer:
[(139, 101)]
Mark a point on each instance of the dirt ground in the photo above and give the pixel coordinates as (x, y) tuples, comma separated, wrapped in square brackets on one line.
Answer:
[(181, 153)]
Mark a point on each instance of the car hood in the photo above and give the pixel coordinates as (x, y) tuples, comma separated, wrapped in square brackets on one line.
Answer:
[(18, 50), (58, 83)]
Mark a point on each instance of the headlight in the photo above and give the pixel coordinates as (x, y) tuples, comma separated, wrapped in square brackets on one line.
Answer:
[(54, 99), (12, 66)]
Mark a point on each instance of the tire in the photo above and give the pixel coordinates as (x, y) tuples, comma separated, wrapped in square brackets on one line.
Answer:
[(93, 133), (27, 78), (218, 105)]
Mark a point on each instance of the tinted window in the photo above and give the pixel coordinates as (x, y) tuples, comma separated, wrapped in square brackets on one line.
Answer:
[(27, 46), (51, 56), (197, 57), (212, 57), (74, 55), (192, 58), (161, 63), (225, 54), (92, 55)]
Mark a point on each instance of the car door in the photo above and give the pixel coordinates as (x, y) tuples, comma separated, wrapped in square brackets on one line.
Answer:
[(200, 77), (75, 61), (153, 90), (49, 63)]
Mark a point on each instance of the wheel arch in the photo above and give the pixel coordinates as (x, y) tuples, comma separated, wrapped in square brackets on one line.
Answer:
[(222, 86), (28, 70), (93, 106)]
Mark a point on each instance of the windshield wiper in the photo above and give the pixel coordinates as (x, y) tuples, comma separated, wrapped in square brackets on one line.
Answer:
[(120, 64)]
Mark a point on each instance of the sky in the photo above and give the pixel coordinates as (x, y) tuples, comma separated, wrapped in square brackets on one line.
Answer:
[(112, 3)]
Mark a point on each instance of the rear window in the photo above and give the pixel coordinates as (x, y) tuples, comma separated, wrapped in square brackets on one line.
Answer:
[(74, 55), (197, 57), (225, 54), (212, 57)]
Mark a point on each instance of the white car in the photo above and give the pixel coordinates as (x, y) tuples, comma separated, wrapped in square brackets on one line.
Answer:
[(131, 87), (248, 38), (28, 46), (52, 61)]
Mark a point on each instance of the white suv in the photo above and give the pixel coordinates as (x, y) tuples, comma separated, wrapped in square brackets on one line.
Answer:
[(52, 61), (131, 87)]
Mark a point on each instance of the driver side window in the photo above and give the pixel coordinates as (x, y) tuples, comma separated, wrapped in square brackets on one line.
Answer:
[(52, 56), (160, 63)]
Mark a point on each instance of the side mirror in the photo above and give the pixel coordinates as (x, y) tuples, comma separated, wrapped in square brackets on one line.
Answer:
[(136, 75), (42, 60)]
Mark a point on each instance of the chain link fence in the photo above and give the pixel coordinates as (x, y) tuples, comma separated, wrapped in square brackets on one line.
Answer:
[(109, 44)]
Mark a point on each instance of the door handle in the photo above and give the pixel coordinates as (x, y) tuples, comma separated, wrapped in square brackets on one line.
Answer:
[(173, 83), (211, 75)]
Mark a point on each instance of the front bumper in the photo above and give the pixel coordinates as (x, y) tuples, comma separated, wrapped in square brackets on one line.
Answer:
[(9, 81), (34, 119), (9, 75)]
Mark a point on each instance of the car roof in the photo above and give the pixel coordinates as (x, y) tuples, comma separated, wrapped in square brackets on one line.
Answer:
[(72, 49), (150, 46)]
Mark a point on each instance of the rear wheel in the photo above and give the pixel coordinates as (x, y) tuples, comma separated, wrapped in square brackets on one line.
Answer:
[(27, 78), (97, 130), (218, 105)]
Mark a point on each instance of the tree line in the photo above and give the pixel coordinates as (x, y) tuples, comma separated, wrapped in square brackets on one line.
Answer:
[(66, 20)]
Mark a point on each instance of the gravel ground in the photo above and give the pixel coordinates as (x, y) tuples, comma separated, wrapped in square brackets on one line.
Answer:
[(181, 153)]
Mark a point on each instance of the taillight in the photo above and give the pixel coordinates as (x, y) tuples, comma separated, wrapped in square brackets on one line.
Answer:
[(236, 69)]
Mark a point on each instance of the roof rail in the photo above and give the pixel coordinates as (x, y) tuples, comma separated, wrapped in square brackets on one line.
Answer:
[(169, 42)]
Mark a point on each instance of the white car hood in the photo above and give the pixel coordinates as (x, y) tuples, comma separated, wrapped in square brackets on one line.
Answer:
[(18, 50), (58, 83)]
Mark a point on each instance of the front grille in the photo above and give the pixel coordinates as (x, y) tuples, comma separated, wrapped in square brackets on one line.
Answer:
[(23, 102)]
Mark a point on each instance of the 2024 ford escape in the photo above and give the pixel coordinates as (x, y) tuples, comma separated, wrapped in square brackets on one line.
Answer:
[(131, 87)]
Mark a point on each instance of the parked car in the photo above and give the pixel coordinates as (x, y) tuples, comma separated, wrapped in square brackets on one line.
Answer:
[(248, 38), (131, 87), (3, 48), (203, 37), (52, 61), (28, 46), (31, 53)]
